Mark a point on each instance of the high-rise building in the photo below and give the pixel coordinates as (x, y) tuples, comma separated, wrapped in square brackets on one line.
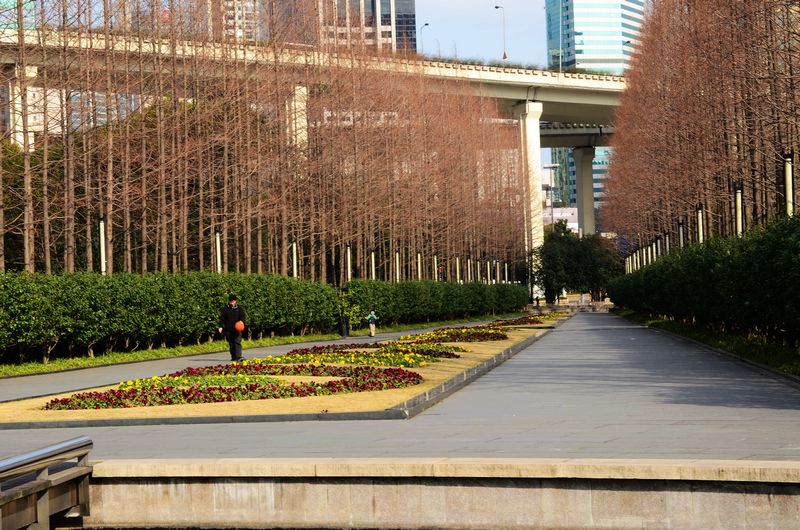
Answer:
[(389, 25), (595, 36)]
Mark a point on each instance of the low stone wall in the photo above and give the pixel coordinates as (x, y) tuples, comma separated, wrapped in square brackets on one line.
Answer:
[(445, 493)]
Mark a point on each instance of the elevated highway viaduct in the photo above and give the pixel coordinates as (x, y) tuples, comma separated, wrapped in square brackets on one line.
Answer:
[(553, 109)]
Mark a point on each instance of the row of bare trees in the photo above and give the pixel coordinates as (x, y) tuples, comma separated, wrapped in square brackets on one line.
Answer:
[(170, 149), (712, 106)]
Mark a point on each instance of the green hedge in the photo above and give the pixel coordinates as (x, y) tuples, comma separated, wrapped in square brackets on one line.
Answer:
[(410, 302), (72, 314), (746, 285)]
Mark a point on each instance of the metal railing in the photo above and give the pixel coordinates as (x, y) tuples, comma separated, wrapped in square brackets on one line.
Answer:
[(38, 485)]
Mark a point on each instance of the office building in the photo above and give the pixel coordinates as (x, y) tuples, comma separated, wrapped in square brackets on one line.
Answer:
[(386, 25), (592, 35), (589, 36)]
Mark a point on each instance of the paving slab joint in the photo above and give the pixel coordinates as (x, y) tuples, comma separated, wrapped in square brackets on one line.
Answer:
[(783, 377), (420, 403)]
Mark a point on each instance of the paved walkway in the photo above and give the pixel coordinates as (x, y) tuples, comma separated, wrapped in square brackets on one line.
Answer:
[(596, 387)]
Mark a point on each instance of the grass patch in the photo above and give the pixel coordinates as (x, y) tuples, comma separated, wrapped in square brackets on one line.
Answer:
[(76, 363), (776, 356)]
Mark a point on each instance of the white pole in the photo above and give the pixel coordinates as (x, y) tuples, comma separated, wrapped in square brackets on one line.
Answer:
[(458, 269), (700, 231), (294, 259), (349, 264), (505, 265), (435, 268), (103, 267), (419, 266), (681, 235), (218, 250), (397, 266), (739, 212), (788, 171), (372, 265)]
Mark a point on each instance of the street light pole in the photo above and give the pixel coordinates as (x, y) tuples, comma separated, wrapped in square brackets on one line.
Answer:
[(421, 39), (501, 8), (551, 189)]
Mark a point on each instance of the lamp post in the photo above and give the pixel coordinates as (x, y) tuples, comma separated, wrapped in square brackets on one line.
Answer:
[(788, 175), (102, 231), (421, 39), (503, 10), (551, 189), (218, 249), (294, 258), (739, 211), (349, 264), (700, 223)]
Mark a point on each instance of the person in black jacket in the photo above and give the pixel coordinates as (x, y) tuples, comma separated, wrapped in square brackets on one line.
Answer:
[(231, 314)]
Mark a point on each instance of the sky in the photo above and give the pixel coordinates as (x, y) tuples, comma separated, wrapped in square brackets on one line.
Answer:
[(474, 29)]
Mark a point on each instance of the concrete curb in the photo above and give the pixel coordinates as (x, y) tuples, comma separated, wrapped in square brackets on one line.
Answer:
[(405, 410), (786, 472)]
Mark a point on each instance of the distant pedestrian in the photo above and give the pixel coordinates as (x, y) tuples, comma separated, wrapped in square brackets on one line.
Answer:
[(372, 319), (229, 324)]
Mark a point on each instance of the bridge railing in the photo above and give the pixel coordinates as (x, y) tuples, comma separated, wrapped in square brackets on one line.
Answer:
[(43, 483)]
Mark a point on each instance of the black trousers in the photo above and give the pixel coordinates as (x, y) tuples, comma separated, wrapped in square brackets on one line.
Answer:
[(234, 339)]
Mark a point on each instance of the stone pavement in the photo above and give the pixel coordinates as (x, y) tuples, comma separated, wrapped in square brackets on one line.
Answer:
[(596, 387)]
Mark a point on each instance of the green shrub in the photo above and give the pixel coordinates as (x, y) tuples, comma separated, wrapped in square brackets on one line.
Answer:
[(84, 313), (749, 285), (410, 302), (74, 314)]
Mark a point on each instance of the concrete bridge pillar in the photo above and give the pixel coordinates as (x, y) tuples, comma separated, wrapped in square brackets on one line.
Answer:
[(530, 114), (297, 117), (16, 96), (584, 187)]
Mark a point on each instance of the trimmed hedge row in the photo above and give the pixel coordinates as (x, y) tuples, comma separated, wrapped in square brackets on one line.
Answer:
[(749, 284), (72, 314), (410, 302)]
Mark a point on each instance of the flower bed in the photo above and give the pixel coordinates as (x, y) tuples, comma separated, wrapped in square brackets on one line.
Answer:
[(521, 321), (462, 334), (172, 389), (403, 355)]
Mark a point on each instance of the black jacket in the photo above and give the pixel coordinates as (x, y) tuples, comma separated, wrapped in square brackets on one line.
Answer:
[(229, 317)]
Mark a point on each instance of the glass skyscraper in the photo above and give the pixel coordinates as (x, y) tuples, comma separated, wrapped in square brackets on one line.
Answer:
[(591, 36)]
